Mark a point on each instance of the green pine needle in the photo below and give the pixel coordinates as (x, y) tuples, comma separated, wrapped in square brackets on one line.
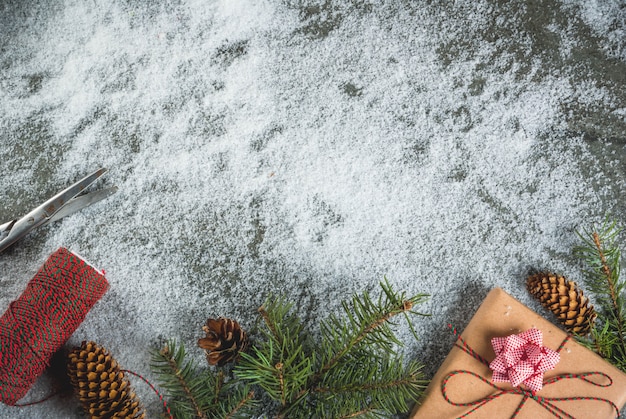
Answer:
[(194, 392), (602, 258), (352, 370), (187, 395)]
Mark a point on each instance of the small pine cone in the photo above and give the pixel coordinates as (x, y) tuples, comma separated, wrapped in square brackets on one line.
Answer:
[(102, 388), (224, 340), (565, 300)]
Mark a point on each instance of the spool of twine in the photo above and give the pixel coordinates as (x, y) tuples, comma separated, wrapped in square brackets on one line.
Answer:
[(41, 320)]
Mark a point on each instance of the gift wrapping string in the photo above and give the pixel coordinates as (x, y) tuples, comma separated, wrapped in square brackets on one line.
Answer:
[(157, 392), (545, 402), (41, 320)]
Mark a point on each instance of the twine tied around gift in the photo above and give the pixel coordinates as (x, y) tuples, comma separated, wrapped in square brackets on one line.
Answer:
[(545, 402)]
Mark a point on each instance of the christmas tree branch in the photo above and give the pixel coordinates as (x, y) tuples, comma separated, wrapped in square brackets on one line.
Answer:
[(349, 345), (350, 357), (186, 389), (384, 380), (219, 383), (366, 320), (365, 331), (248, 399), (198, 393), (279, 338), (169, 362), (602, 257), (268, 322), (404, 381), (610, 280), (281, 380), (358, 413), (351, 370)]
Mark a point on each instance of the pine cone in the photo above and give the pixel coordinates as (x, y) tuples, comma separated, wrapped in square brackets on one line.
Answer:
[(564, 299), (102, 388), (224, 340)]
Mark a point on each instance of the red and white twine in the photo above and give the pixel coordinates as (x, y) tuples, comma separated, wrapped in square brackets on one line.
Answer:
[(41, 320)]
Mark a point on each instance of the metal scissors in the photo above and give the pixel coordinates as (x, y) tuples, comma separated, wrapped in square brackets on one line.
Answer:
[(62, 204)]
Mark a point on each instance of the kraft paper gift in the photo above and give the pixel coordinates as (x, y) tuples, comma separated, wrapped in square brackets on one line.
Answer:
[(581, 385)]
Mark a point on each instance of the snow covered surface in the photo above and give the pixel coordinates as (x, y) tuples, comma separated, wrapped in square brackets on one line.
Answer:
[(308, 148)]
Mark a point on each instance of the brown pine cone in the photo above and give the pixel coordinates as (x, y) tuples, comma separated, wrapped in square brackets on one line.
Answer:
[(102, 388), (224, 340), (565, 300)]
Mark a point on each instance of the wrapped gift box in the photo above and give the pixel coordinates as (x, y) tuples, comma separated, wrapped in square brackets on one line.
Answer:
[(467, 379)]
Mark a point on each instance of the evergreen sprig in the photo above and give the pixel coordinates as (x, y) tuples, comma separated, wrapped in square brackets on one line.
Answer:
[(379, 388), (278, 364), (602, 275), (353, 371), (194, 392)]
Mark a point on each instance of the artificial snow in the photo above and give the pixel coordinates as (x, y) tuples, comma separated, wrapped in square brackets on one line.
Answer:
[(308, 149)]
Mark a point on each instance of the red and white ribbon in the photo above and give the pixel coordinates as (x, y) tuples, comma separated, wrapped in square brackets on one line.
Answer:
[(522, 359)]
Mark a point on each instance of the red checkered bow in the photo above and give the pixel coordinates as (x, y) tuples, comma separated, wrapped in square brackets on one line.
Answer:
[(522, 359)]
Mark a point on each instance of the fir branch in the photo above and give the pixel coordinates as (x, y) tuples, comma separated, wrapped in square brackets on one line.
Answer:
[(354, 369), (614, 291), (366, 320), (269, 323), (605, 267), (604, 340), (354, 341), (602, 257), (281, 373), (280, 364), (367, 387), (599, 252), (199, 393), (384, 381), (361, 412), (238, 401), (219, 384), (281, 382), (247, 400), (177, 377)]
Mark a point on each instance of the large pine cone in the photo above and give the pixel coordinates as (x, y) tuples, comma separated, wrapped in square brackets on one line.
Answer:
[(565, 300), (102, 388), (224, 340)]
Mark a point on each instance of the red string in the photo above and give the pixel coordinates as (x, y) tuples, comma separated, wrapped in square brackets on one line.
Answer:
[(39, 322), (545, 402), (468, 349), (26, 404), (145, 380)]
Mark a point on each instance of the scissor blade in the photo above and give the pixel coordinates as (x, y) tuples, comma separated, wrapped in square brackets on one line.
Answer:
[(42, 214), (81, 202), (57, 202), (6, 228)]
